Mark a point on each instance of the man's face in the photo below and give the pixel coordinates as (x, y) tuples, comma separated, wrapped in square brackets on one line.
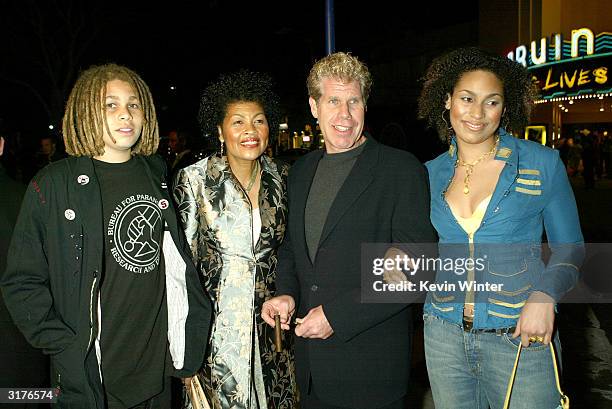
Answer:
[(174, 142), (341, 114), (46, 146)]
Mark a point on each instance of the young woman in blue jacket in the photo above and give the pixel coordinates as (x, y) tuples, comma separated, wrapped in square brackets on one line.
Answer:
[(492, 198)]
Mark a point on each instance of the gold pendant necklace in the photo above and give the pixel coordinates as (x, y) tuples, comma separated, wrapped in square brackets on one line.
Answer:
[(253, 177), (469, 167)]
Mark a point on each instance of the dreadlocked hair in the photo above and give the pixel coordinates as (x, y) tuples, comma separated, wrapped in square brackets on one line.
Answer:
[(239, 86), (341, 66), (445, 71), (85, 119)]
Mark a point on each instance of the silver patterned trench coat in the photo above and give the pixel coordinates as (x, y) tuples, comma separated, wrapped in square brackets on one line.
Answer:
[(238, 275)]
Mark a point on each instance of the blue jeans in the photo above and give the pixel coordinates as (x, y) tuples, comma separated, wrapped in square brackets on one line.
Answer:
[(470, 370)]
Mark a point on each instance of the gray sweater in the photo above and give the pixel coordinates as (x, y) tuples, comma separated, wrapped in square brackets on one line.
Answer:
[(331, 173)]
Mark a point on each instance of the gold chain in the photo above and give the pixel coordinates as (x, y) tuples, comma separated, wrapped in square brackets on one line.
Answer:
[(469, 167), (253, 177)]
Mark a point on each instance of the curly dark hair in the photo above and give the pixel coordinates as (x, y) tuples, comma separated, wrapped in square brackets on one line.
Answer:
[(446, 70), (239, 86)]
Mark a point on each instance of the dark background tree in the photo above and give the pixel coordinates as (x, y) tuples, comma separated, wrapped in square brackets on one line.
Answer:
[(44, 43)]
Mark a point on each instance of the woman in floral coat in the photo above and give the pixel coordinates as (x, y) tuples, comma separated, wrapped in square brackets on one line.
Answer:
[(233, 209)]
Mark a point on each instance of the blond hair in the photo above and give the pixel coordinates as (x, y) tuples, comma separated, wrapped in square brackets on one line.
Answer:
[(341, 66), (84, 119)]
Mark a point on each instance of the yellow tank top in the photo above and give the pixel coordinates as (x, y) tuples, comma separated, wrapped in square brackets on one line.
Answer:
[(470, 225)]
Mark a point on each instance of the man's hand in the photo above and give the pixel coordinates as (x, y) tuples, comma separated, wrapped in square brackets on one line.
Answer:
[(537, 319), (394, 275), (314, 325), (187, 383), (283, 305)]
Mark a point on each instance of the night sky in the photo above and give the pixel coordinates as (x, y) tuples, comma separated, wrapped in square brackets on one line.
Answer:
[(188, 44)]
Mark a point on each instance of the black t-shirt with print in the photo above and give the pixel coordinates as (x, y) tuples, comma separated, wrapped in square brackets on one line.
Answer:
[(134, 314)]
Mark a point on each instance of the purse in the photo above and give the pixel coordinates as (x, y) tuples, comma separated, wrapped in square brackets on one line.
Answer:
[(564, 401), (196, 394)]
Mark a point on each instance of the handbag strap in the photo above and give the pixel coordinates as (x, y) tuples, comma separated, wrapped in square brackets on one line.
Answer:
[(512, 376), (565, 402)]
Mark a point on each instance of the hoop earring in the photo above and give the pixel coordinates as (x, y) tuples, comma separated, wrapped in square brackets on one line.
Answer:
[(504, 122), (449, 128)]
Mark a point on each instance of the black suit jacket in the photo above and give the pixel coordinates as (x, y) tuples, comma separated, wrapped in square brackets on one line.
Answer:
[(22, 365), (385, 199)]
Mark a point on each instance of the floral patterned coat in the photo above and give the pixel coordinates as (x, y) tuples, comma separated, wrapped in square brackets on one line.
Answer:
[(239, 276)]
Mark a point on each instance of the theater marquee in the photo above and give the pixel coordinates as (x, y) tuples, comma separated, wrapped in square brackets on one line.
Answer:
[(565, 69)]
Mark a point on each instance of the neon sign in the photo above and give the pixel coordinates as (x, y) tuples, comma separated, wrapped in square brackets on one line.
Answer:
[(577, 67), (574, 78), (582, 44)]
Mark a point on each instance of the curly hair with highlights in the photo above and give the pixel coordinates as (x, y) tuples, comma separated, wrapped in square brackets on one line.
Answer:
[(239, 86), (341, 66), (84, 118), (445, 71)]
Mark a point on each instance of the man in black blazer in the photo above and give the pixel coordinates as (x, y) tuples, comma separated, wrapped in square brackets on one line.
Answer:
[(348, 354), (22, 365)]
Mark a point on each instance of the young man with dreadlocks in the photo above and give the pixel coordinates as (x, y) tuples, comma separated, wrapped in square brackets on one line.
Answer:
[(98, 275)]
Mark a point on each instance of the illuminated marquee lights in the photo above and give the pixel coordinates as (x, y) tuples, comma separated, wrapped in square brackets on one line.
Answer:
[(583, 42), (569, 70), (574, 97)]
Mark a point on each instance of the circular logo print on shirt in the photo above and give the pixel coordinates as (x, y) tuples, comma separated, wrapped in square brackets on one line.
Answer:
[(69, 214), (83, 180), (163, 204), (135, 227)]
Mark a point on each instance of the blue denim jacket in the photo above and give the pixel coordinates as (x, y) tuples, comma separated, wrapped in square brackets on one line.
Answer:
[(532, 194)]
